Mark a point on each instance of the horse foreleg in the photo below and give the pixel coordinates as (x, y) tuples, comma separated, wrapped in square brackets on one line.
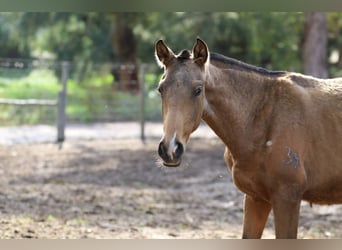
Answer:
[(256, 212), (286, 216)]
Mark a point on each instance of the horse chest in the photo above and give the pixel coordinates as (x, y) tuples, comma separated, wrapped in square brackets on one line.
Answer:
[(251, 182), (247, 177)]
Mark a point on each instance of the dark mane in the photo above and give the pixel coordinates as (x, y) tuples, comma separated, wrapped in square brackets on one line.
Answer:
[(233, 63), (236, 64), (184, 55)]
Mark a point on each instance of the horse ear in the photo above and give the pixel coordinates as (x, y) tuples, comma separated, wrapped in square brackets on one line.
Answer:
[(200, 52), (163, 53)]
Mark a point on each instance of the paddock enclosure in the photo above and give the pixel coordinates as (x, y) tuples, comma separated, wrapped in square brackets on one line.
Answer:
[(102, 186), (60, 93), (114, 189)]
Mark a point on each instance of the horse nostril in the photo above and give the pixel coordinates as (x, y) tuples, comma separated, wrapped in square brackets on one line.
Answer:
[(179, 150), (171, 158), (162, 151)]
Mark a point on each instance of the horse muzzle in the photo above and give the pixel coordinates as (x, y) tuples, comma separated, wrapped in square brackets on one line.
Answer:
[(171, 154)]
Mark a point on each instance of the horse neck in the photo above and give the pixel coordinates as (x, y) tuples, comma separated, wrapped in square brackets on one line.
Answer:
[(233, 98)]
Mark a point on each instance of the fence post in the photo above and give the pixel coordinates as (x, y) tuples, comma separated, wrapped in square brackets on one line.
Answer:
[(142, 100), (61, 106)]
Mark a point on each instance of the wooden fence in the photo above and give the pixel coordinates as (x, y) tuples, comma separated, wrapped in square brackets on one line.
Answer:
[(61, 101)]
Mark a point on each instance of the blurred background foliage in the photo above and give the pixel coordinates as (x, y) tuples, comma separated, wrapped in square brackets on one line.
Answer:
[(266, 39), (88, 40)]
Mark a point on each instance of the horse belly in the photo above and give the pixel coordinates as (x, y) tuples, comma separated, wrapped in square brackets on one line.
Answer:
[(327, 195), (323, 163), (324, 181)]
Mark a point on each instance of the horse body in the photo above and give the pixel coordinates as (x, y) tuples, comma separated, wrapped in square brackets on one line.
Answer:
[(281, 130), (282, 119), (323, 163)]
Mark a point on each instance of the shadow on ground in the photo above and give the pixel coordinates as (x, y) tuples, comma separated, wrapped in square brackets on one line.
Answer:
[(115, 189)]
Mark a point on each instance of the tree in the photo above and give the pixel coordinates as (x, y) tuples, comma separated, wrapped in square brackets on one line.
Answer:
[(124, 47), (315, 45), (265, 39), (11, 43), (123, 40)]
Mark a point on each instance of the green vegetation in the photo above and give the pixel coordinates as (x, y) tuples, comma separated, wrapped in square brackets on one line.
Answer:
[(88, 100), (90, 40), (271, 40)]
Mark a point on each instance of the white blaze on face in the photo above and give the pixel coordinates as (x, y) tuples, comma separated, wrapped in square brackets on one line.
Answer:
[(172, 146)]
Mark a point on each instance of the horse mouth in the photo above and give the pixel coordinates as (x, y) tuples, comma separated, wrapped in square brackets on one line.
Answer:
[(171, 164)]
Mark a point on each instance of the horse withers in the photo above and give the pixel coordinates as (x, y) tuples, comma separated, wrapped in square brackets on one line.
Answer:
[(282, 131)]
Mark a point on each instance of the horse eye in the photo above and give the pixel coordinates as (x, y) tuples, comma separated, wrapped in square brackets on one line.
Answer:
[(198, 91)]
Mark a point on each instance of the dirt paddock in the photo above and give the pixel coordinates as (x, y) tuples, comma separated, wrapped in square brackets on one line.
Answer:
[(115, 189)]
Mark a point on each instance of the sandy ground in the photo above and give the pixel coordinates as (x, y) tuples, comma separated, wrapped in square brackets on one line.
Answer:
[(114, 188), (75, 132)]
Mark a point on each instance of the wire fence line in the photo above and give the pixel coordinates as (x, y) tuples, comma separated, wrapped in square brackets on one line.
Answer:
[(53, 92), (22, 63), (28, 102)]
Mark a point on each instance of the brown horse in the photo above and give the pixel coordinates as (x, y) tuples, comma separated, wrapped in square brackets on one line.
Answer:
[(282, 131)]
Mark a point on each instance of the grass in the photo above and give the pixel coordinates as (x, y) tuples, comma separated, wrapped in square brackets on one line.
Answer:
[(37, 84), (88, 100)]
